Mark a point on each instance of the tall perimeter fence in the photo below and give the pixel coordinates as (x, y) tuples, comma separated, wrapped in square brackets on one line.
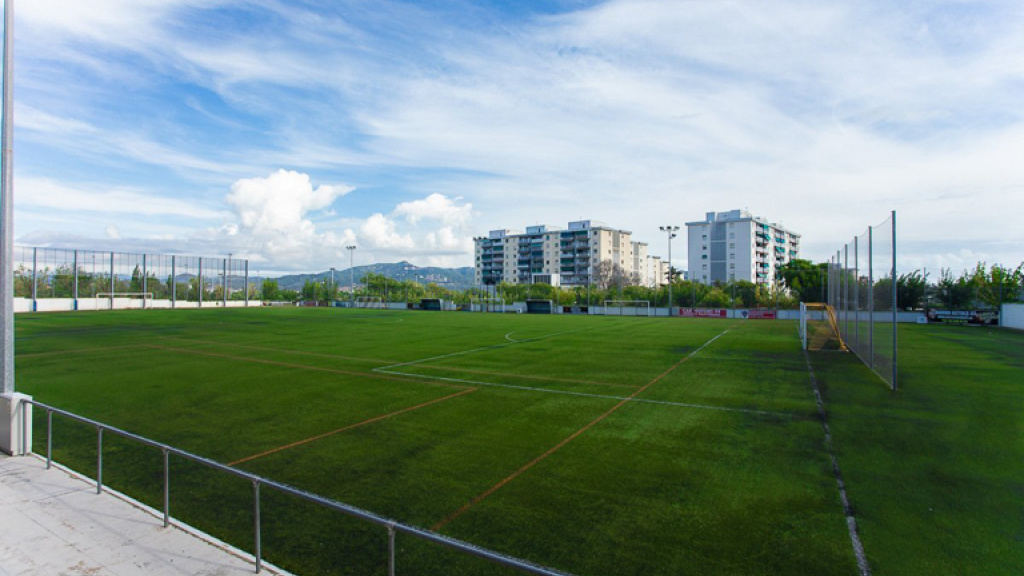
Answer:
[(49, 279), (862, 291)]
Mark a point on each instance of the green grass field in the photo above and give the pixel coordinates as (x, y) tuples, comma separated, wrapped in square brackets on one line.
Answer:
[(593, 445)]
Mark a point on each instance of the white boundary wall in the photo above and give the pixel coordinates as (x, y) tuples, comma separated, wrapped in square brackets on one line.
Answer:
[(1012, 316), (90, 304)]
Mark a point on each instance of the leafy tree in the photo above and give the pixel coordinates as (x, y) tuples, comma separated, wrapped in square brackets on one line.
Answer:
[(270, 290), (954, 293), (997, 285), (805, 279)]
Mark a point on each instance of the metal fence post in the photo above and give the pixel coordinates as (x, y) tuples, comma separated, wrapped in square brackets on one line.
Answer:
[(167, 488), (257, 544), (856, 293), (895, 304), (35, 281), (846, 293), (174, 284), (112, 285), (49, 438), (199, 282), (871, 298), (144, 283), (99, 459), (247, 284), (74, 288), (391, 550)]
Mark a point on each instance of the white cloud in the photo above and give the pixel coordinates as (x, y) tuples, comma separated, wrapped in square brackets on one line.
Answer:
[(44, 193), (112, 232), (436, 207)]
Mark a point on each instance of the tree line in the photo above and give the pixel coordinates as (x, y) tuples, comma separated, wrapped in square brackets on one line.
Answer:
[(800, 281)]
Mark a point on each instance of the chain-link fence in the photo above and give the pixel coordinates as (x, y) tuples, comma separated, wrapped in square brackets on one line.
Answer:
[(862, 291), (48, 279)]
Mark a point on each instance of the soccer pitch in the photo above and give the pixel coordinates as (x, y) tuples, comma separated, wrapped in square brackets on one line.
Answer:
[(593, 445)]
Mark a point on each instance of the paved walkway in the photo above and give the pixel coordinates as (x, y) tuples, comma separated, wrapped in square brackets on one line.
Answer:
[(53, 523)]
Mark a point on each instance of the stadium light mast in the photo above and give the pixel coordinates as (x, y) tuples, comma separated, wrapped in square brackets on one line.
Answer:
[(351, 277), (331, 291), (671, 231)]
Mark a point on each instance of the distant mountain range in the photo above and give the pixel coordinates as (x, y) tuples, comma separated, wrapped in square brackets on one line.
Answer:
[(452, 278)]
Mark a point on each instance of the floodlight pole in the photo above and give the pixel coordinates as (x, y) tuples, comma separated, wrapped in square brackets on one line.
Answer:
[(671, 231), (330, 293), (351, 277), (6, 208)]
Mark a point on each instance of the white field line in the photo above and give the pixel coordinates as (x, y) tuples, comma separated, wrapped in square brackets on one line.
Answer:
[(387, 370), (851, 519), (480, 349)]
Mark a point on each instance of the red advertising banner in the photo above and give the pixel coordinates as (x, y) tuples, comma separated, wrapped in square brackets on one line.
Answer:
[(702, 312), (758, 314)]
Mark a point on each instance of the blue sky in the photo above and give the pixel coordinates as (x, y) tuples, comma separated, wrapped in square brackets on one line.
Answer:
[(284, 131)]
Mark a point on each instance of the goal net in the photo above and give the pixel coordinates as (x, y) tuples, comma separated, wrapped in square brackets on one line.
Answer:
[(373, 302), (818, 327), (490, 304), (627, 307), (124, 300)]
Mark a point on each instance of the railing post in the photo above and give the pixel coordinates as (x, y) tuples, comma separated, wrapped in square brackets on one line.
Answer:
[(391, 550), (167, 488), (257, 544), (49, 438), (99, 459)]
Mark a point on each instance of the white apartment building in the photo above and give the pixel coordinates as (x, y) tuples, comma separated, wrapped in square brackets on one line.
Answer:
[(736, 245), (560, 257)]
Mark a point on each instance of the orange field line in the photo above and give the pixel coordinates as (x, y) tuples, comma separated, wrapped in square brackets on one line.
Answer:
[(351, 426), (299, 366), (476, 500), (282, 350), (80, 350), (526, 376)]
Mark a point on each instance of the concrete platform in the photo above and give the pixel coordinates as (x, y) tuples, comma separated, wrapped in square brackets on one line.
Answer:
[(53, 523)]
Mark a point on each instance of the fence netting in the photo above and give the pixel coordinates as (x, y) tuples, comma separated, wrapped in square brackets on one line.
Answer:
[(95, 279), (862, 293)]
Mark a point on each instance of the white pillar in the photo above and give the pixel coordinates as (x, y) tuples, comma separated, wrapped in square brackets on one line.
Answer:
[(15, 424)]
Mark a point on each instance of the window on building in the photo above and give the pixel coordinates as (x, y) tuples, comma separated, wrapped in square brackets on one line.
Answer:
[(704, 267), (733, 265), (704, 237), (732, 245), (732, 235)]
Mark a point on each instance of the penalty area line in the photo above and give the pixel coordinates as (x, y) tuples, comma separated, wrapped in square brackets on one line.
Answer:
[(350, 427), (370, 374), (477, 499)]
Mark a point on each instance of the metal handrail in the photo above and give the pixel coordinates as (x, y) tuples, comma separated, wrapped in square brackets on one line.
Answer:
[(258, 481)]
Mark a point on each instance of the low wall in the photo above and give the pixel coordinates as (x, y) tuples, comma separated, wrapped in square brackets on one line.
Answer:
[(1012, 316), (91, 304)]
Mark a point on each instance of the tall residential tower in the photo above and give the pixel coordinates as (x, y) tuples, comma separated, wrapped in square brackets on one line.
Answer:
[(735, 245)]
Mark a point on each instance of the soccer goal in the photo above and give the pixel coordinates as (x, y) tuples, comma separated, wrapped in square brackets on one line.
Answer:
[(818, 327), (373, 302), (490, 304), (627, 307), (124, 300), (540, 307)]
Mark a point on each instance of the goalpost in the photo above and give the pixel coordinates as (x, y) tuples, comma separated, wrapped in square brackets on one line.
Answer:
[(144, 296), (490, 304), (818, 327), (628, 307), (374, 302)]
